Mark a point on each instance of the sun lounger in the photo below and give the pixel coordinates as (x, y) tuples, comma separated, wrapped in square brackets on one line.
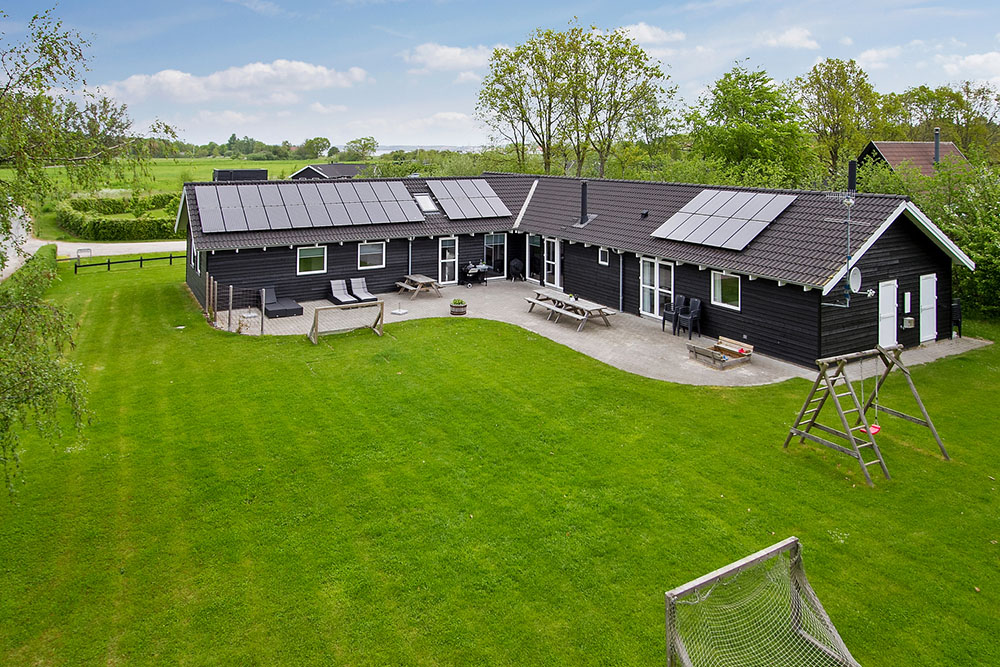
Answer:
[(360, 290), (339, 293), (283, 307)]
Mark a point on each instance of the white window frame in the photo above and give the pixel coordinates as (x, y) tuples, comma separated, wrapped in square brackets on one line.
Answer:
[(367, 243), (657, 287), (298, 260), (716, 300), (425, 203), (503, 271), (606, 254)]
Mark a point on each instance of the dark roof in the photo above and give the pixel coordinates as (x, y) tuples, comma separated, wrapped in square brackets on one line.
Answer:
[(803, 245), (919, 154), (330, 170), (512, 190)]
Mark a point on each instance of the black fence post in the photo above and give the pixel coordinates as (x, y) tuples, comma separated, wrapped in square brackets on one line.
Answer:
[(109, 263)]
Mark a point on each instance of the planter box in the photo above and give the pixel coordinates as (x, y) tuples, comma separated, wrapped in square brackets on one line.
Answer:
[(458, 310), (724, 354)]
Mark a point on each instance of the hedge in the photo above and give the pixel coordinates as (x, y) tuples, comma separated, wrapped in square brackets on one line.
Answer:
[(33, 276), (117, 205), (95, 228)]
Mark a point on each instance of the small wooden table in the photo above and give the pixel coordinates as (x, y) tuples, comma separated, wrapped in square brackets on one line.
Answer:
[(416, 284), (560, 304)]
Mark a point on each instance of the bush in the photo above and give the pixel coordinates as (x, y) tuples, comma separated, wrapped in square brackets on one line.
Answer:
[(32, 279), (95, 228), (117, 205)]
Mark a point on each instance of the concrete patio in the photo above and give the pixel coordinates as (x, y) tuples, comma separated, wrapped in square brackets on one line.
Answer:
[(632, 343)]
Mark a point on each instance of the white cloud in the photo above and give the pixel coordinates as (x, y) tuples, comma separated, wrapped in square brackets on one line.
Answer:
[(645, 34), (468, 77), (262, 7), (327, 108), (278, 82), (793, 38), (878, 58), (438, 57), (846, 41), (972, 66)]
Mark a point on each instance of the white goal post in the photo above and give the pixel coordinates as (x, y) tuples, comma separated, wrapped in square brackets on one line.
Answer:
[(759, 610), (347, 317)]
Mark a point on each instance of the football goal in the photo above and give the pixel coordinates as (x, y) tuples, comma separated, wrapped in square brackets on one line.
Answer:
[(760, 610), (347, 317)]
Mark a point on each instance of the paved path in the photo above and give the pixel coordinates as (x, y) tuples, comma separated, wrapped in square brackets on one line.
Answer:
[(29, 245)]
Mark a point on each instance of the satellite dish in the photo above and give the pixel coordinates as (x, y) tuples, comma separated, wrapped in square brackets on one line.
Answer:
[(855, 280)]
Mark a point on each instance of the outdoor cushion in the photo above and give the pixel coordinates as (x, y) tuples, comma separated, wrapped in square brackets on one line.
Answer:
[(360, 290), (339, 293), (283, 307)]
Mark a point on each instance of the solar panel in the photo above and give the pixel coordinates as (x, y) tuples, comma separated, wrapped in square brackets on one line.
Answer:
[(466, 199), (346, 192), (299, 205), (229, 197), (724, 219), (357, 213), (365, 192), (211, 220), (299, 217)]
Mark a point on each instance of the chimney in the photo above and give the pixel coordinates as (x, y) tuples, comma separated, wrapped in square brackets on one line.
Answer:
[(852, 176), (583, 202), (937, 145)]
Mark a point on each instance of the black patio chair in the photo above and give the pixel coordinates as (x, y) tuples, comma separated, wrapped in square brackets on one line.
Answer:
[(690, 317), (283, 307), (360, 290), (339, 294), (670, 312)]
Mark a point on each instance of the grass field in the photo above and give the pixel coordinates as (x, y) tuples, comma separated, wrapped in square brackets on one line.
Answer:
[(462, 492)]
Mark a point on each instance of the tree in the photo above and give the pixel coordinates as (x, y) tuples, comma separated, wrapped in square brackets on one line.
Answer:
[(332, 151), (360, 150), (746, 118), (842, 109), (313, 148), (89, 137)]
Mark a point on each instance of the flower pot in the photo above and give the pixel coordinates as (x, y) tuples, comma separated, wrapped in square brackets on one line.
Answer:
[(458, 310)]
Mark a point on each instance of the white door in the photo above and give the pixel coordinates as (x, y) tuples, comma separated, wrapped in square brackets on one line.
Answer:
[(448, 265), (887, 313), (928, 307), (552, 274)]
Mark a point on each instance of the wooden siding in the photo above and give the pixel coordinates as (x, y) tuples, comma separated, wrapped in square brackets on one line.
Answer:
[(194, 280), (583, 276), (781, 322), (903, 253)]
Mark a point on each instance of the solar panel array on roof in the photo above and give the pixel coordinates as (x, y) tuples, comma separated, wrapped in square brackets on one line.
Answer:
[(462, 200), (723, 219), (299, 205)]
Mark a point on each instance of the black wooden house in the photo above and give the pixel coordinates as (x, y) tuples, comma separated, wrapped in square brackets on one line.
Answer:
[(768, 265)]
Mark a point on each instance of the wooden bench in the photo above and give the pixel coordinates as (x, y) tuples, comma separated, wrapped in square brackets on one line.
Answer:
[(553, 308), (726, 353), (405, 286)]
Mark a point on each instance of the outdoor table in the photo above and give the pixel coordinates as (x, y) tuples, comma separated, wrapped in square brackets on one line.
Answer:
[(418, 283), (561, 303)]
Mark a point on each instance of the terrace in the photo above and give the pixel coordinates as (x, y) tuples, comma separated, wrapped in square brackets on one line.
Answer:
[(633, 344)]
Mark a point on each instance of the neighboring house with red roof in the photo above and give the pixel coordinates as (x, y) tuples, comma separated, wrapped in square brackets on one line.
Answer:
[(916, 154)]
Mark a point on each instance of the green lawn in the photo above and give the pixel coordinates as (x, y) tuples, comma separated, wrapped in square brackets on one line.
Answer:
[(462, 492)]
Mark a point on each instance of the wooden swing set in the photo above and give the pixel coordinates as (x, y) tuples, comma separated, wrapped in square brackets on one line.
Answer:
[(833, 385)]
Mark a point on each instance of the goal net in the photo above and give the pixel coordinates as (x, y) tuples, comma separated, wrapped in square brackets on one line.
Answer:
[(347, 317), (760, 610)]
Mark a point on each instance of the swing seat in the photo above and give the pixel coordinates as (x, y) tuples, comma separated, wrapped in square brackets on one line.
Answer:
[(874, 429)]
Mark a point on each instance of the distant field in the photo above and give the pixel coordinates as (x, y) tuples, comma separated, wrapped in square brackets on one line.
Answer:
[(463, 492)]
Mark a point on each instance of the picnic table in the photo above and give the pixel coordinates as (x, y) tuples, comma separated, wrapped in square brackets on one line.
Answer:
[(416, 284), (564, 305)]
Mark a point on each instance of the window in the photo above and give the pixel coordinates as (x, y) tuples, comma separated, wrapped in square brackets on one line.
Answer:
[(312, 260), (425, 203), (495, 254), (725, 290), (603, 256), (656, 285), (371, 255)]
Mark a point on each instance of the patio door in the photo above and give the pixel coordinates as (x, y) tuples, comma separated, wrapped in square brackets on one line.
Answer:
[(495, 254), (553, 274), (448, 260), (887, 313), (928, 307), (656, 285), (534, 258)]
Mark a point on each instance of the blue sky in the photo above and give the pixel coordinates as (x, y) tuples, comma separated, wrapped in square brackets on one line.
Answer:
[(407, 72)]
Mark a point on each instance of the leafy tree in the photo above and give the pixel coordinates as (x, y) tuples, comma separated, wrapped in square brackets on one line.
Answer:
[(746, 118), (313, 148), (842, 109), (91, 138), (360, 150), (332, 151)]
